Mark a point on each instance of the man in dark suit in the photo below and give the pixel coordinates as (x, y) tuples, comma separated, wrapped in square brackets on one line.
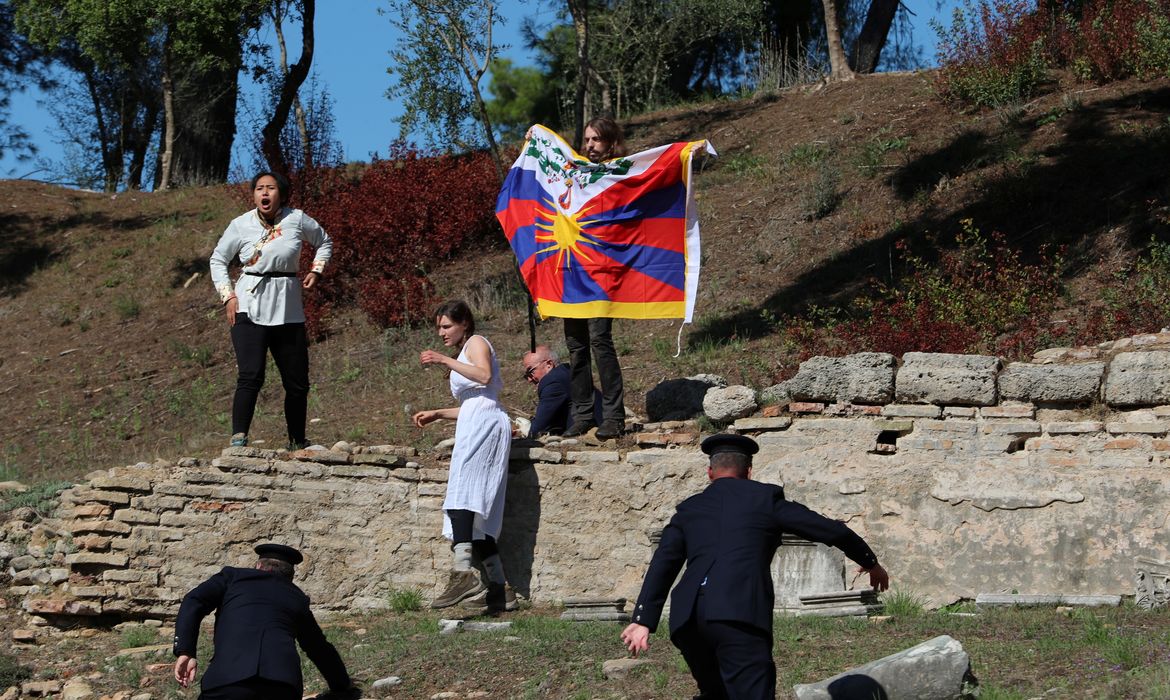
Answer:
[(554, 401), (260, 617), (721, 609)]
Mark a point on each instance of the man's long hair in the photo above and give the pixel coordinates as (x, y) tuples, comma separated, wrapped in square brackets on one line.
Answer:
[(610, 132)]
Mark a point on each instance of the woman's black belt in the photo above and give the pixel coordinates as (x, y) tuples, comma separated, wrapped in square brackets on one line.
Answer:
[(271, 274)]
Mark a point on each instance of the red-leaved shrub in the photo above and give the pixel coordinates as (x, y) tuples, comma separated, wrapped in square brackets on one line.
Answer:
[(391, 222)]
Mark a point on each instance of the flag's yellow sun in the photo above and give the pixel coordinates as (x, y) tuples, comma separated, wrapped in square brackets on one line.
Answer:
[(563, 233)]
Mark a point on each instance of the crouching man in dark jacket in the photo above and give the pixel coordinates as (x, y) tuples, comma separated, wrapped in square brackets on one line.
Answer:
[(261, 615)]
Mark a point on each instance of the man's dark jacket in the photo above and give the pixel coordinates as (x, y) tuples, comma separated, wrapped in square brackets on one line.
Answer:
[(727, 536), (260, 617), (554, 403)]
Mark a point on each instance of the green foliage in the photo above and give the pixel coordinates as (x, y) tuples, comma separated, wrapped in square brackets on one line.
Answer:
[(12, 672), (901, 602), (435, 65), (127, 307), (406, 600), (823, 196), (745, 163), (42, 498), (806, 154), (873, 152), (521, 96), (138, 636)]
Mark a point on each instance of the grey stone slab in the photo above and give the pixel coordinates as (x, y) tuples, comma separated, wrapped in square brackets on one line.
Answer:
[(866, 378), (1073, 427), (984, 600), (1138, 379), (937, 669), (947, 379), (1153, 428), (896, 410), (753, 424), (1052, 383)]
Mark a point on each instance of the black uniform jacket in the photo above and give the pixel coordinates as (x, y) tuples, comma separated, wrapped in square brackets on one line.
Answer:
[(554, 403), (260, 616), (727, 536)]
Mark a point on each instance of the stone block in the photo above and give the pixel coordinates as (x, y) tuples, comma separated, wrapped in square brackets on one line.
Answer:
[(136, 517), (725, 404), (404, 451), (744, 425), (1052, 383), (207, 476), (680, 399), (319, 456), (183, 490), (157, 503), (988, 600), (959, 412), (1151, 583), (1154, 428), (866, 377), (895, 410), (958, 428), (663, 439), (382, 460), (1138, 379), (806, 407), (1008, 427), (130, 576), (85, 495), (592, 457), (937, 669), (183, 519), (897, 426), (431, 489), (298, 468), (1008, 411), (360, 471), (120, 483), (532, 454), (96, 559), (242, 464), (89, 510), (947, 379), (101, 527), (1073, 427), (93, 543)]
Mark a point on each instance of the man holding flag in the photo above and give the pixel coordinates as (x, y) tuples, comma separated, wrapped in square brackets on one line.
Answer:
[(598, 237)]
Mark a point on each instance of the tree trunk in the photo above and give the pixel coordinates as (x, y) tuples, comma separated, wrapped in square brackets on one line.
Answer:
[(872, 39), (166, 152), (205, 101), (579, 9), (292, 79), (839, 66)]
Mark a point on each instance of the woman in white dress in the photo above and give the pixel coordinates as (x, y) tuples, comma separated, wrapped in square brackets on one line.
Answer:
[(473, 510)]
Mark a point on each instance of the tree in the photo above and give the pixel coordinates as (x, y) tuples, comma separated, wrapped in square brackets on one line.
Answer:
[(520, 97), (878, 20), (291, 80), (839, 65), (445, 50), (198, 44)]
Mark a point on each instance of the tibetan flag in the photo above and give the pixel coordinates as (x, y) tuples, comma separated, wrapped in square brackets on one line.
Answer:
[(617, 239)]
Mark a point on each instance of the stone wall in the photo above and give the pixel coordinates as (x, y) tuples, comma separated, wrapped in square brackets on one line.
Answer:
[(957, 499)]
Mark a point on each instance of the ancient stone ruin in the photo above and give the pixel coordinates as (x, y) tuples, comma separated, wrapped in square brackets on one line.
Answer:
[(969, 477)]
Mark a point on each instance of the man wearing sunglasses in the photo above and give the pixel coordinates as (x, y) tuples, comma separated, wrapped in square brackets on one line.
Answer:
[(554, 407)]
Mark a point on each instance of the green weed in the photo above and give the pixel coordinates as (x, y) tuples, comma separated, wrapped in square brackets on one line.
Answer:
[(138, 636), (406, 599), (873, 152), (127, 307), (900, 602), (745, 163)]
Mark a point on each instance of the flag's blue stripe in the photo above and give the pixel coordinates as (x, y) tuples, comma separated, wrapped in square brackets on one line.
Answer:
[(666, 266)]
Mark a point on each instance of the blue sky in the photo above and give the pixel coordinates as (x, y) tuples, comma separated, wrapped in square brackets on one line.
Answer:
[(351, 60)]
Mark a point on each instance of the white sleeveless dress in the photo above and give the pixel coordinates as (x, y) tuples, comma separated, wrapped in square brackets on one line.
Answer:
[(479, 462)]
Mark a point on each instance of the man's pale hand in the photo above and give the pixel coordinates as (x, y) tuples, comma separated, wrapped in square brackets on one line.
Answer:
[(185, 670), (636, 638), (879, 580)]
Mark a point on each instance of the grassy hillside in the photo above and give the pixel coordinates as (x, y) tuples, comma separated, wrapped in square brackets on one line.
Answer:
[(113, 348)]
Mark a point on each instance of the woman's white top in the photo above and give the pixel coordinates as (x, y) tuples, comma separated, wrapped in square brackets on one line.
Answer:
[(268, 300)]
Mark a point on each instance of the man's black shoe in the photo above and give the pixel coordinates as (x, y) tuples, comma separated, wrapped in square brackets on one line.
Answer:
[(610, 429), (579, 428)]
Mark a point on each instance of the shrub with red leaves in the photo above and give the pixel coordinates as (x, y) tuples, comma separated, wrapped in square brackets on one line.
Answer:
[(391, 223)]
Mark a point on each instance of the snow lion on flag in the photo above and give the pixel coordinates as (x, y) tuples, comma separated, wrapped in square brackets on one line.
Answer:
[(616, 239)]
